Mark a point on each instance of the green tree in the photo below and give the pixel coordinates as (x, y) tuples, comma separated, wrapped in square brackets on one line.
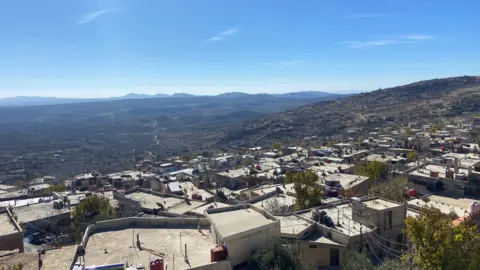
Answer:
[(408, 132), (357, 261), (277, 146), (18, 266), (90, 209), (276, 256), (440, 245), (412, 155), (360, 261), (331, 143), (185, 158), (309, 193), (93, 206), (375, 170), (391, 190), (220, 195)]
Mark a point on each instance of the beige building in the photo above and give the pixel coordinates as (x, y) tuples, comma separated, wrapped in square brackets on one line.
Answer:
[(242, 229), (387, 217), (11, 234), (373, 223), (314, 248), (181, 243), (443, 180)]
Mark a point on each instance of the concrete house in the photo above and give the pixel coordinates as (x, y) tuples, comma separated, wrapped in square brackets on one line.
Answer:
[(242, 229)]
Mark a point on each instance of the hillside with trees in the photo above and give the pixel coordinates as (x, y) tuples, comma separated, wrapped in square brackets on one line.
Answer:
[(421, 102)]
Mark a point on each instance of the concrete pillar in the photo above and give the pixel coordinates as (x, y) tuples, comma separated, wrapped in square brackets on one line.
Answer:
[(455, 165)]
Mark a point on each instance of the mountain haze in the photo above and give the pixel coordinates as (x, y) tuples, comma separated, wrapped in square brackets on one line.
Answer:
[(33, 100)]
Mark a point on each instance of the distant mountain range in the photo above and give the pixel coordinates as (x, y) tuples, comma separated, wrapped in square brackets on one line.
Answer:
[(36, 100)]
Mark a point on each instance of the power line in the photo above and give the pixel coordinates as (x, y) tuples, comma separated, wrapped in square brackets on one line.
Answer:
[(384, 248), (382, 262), (392, 242)]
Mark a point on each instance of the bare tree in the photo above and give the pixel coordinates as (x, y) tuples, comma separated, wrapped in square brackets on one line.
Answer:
[(275, 206)]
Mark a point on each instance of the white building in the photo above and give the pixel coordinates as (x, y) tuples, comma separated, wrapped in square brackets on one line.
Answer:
[(242, 229)]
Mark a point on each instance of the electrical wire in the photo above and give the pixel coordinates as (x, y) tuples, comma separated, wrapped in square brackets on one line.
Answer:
[(382, 262), (384, 248), (391, 242)]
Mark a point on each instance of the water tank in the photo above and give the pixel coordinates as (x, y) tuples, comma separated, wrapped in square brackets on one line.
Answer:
[(157, 264), (474, 207), (322, 216), (315, 215), (218, 253), (412, 192)]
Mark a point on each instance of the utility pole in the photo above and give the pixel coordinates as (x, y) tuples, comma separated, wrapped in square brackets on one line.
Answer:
[(361, 238), (405, 218)]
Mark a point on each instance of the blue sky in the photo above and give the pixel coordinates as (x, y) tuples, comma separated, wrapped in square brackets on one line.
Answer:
[(101, 48)]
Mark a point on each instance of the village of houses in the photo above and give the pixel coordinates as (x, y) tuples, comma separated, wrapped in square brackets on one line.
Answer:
[(213, 212)]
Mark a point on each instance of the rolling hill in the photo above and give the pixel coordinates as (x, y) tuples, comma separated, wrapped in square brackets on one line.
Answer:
[(105, 134), (421, 101)]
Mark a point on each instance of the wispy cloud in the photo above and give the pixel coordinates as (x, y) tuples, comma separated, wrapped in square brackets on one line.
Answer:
[(417, 37), (223, 34), (289, 63), (91, 16), (372, 43), (365, 16), (385, 42)]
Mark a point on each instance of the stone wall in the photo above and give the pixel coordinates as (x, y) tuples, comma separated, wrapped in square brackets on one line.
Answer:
[(14, 240)]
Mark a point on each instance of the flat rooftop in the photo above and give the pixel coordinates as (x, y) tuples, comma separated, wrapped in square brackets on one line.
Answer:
[(460, 206), (6, 187), (24, 202), (346, 180), (12, 194), (425, 172), (342, 214), (76, 197), (185, 207), (461, 156), (329, 168), (170, 242), (380, 204), (292, 225), (150, 201), (235, 173), (192, 189), (38, 211), (464, 160), (6, 225), (377, 157), (281, 199), (232, 222), (200, 210), (258, 191)]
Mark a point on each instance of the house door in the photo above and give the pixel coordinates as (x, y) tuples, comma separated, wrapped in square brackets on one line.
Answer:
[(334, 257)]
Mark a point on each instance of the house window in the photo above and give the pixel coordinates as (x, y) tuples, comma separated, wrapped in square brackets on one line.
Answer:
[(312, 246), (390, 217)]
